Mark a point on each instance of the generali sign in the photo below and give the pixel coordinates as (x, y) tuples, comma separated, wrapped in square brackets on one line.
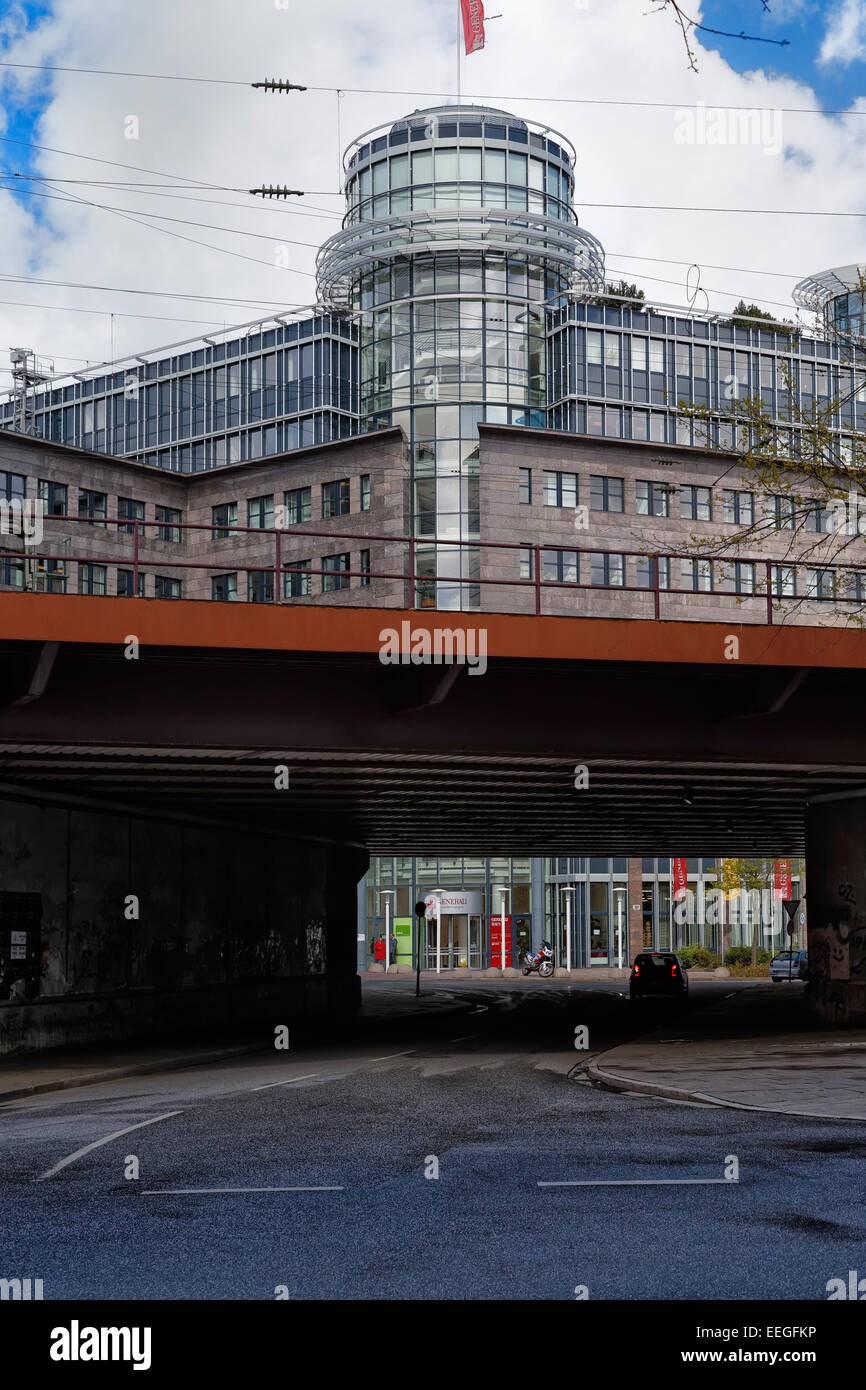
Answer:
[(451, 901)]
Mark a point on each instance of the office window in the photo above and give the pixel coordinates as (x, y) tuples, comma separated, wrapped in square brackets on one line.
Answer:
[(526, 566), (738, 508), (126, 584), (297, 580), (366, 495), (644, 572), (336, 578), (13, 573), (128, 511), (696, 575), (856, 585), (560, 566), (169, 530), (696, 503), (11, 485), (260, 512), (335, 498), (223, 517), (820, 583), (606, 494), (53, 496), (365, 569), (260, 586), (607, 569), (91, 579), (224, 587), (783, 513), (298, 505), (50, 576), (525, 486), (93, 506), (167, 586), (783, 581), (651, 499), (560, 489), (737, 577), (819, 518)]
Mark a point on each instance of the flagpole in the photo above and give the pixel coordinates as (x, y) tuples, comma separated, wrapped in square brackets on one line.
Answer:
[(459, 37)]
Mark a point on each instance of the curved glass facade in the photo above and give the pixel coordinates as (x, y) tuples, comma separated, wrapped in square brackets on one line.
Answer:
[(459, 230)]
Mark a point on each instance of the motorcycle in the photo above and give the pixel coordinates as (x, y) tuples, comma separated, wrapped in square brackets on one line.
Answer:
[(542, 961)]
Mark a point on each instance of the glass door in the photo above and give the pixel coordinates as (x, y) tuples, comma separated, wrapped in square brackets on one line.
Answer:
[(598, 924)]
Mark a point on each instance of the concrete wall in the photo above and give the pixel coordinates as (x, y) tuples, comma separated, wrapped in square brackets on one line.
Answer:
[(836, 924), (230, 926)]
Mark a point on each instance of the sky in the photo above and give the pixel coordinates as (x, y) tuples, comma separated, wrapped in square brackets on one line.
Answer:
[(613, 75)]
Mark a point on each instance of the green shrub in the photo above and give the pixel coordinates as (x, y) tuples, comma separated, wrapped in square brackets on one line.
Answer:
[(742, 955), (698, 958)]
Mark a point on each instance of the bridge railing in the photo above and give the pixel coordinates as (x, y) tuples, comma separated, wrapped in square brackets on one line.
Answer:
[(763, 585)]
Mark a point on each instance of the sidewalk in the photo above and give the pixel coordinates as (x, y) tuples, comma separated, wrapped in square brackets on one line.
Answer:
[(759, 1049)]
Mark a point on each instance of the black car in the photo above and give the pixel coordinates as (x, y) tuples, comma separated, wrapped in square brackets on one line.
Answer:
[(657, 972)]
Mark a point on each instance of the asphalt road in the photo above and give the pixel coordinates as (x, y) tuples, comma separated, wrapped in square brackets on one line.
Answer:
[(486, 1097)]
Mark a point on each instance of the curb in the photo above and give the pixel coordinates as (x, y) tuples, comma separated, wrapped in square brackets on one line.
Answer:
[(68, 1083), (609, 1081)]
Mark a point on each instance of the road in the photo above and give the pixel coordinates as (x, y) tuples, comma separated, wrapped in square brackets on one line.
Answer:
[(485, 1098)]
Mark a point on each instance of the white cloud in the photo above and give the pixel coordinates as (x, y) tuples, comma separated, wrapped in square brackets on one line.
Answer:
[(238, 137), (845, 39)]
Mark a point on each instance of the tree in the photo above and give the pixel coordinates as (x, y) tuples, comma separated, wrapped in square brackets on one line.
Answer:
[(618, 295), (743, 315), (755, 875), (690, 26), (806, 481)]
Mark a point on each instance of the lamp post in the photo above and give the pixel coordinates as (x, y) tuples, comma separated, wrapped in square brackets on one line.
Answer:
[(503, 892), (568, 895), (619, 890), (387, 894)]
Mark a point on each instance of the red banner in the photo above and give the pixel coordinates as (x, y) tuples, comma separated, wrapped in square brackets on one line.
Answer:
[(473, 24), (680, 882), (783, 879), (496, 941)]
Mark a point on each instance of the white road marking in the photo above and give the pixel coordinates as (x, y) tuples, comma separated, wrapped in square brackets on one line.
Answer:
[(97, 1143), (481, 1009), (465, 1037), (287, 1082), (390, 1056), (227, 1191), (643, 1182)]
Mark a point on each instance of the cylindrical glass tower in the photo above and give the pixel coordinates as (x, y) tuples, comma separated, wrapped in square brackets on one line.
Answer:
[(460, 229)]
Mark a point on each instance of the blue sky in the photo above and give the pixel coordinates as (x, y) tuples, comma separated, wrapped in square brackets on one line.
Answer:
[(23, 104), (826, 48)]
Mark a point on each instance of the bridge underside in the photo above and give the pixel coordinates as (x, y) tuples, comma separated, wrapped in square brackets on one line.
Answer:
[(680, 758)]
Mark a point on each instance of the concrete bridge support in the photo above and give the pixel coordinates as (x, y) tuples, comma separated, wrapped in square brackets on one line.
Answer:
[(117, 926), (836, 917)]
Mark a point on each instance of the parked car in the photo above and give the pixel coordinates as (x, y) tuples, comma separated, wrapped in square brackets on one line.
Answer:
[(789, 965), (657, 972)]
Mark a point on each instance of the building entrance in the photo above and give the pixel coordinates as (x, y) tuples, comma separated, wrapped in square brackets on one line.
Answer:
[(460, 943)]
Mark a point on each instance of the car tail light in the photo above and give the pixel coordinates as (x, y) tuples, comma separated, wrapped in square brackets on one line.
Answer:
[(636, 969), (673, 970)]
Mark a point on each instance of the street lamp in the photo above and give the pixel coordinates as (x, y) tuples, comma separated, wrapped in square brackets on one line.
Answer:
[(387, 893), (619, 890), (568, 892), (502, 894)]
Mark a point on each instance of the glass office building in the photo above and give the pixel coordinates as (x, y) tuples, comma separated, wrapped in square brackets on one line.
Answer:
[(231, 397), (459, 231), (550, 899)]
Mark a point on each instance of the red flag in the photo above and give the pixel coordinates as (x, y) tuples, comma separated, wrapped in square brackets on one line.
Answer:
[(680, 882), (783, 879), (473, 24)]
